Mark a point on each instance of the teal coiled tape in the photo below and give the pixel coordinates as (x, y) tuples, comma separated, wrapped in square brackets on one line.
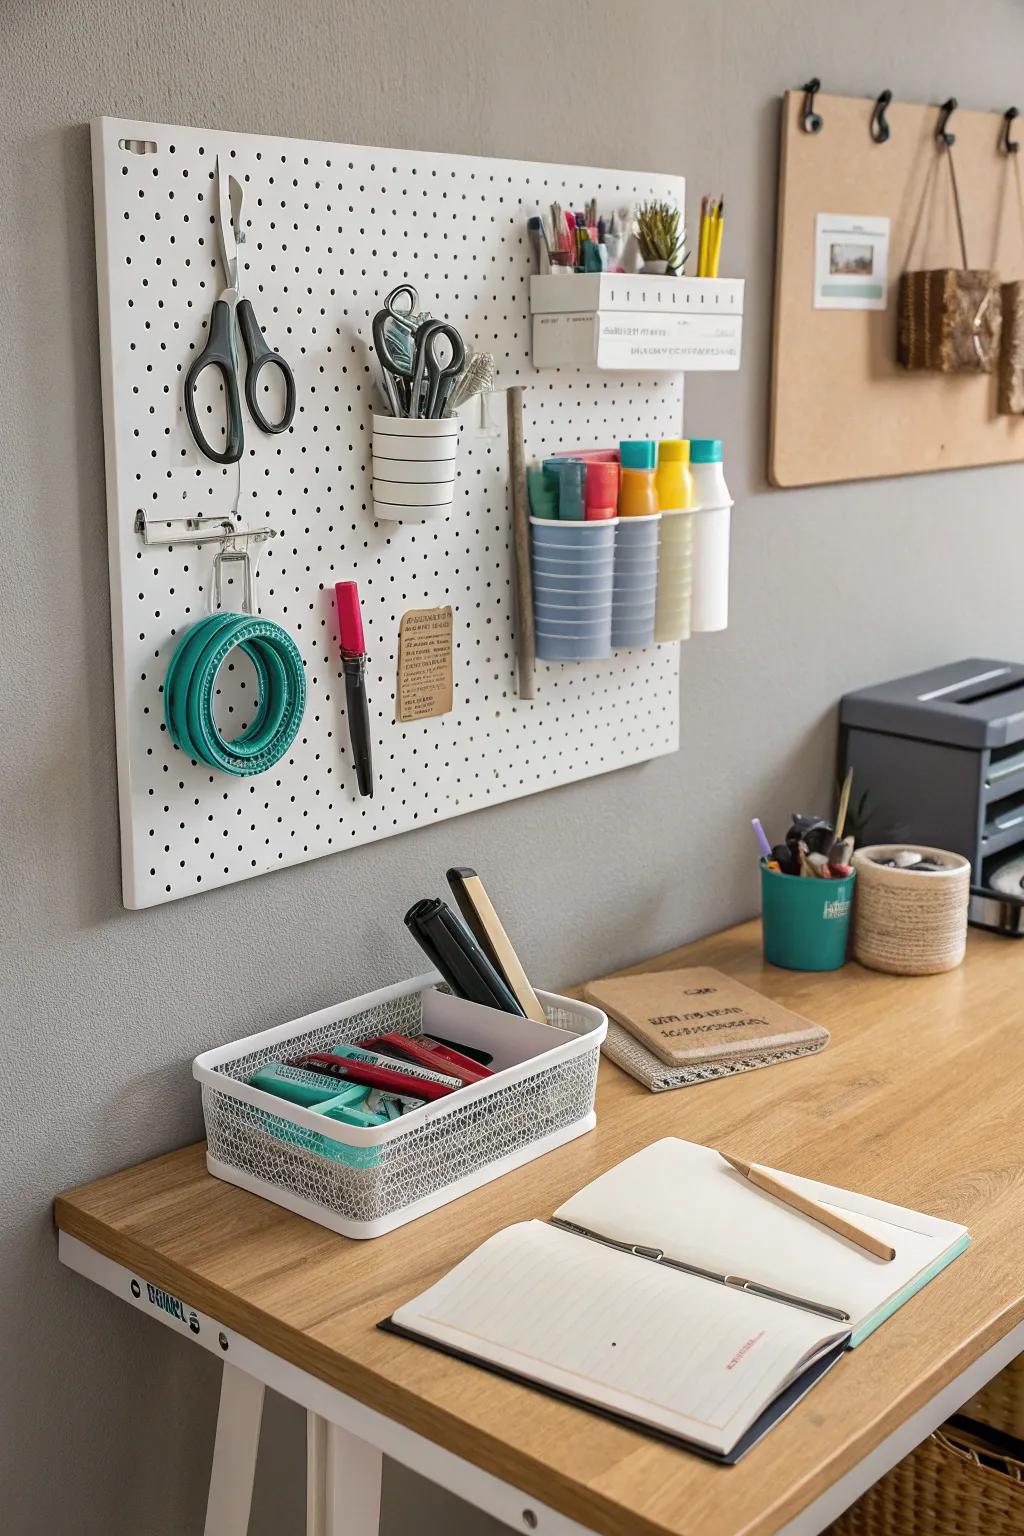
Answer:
[(192, 679)]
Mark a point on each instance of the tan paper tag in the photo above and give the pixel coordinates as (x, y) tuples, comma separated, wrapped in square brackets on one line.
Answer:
[(425, 685), (698, 1014)]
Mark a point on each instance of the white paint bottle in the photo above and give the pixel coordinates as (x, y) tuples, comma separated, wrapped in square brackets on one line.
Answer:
[(711, 516)]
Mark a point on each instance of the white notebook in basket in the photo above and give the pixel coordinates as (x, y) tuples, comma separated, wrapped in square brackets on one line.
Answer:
[(568, 1306)]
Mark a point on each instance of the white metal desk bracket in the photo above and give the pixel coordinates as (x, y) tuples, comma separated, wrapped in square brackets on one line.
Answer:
[(346, 1441)]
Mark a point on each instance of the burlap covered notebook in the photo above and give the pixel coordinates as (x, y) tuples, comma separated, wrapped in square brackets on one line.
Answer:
[(671, 1028)]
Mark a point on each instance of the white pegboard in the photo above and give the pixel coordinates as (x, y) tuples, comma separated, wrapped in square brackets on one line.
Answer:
[(330, 229)]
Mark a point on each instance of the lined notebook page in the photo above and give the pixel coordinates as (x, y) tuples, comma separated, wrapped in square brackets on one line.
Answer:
[(685, 1199), (680, 1353)]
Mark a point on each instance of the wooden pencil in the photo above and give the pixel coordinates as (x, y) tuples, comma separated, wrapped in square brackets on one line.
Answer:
[(807, 1207), (716, 238), (702, 248), (844, 805)]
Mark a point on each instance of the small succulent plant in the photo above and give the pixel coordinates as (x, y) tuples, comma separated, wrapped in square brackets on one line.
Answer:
[(661, 234)]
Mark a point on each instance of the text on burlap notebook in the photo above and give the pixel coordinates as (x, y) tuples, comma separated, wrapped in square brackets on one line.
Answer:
[(700, 1015)]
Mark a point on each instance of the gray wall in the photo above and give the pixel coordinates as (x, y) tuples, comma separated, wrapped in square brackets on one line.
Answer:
[(107, 1420)]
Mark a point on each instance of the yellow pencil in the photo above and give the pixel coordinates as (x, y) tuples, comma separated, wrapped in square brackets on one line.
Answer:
[(702, 250), (716, 244)]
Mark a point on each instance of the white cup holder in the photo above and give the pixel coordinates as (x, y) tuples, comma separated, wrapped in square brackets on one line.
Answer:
[(414, 466)]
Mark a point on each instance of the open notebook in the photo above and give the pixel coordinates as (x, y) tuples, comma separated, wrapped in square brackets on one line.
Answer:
[(661, 1342)]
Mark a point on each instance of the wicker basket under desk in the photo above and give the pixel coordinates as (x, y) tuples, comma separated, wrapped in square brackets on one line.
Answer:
[(941, 1489), (1001, 1402)]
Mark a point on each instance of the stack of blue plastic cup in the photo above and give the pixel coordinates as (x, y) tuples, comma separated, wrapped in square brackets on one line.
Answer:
[(573, 569), (635, 587)]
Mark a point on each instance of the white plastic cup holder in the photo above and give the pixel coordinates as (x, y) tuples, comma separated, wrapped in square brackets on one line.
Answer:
[(414, 468), (413, 471)]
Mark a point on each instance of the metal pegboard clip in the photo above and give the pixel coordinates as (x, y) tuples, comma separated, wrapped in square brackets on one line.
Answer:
[(196, 530)]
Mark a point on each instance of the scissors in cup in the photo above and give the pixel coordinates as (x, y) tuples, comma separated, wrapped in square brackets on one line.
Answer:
[(417, 380), (221, 350), (434, 379), (409, 318)]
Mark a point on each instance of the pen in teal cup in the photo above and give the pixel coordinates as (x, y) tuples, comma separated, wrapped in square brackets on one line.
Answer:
[(762, 837)]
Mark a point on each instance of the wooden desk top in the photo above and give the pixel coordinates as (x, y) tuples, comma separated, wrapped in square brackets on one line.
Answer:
[(918, 1099)]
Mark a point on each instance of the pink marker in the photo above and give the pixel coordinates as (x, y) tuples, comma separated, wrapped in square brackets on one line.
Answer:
[(353, 661)]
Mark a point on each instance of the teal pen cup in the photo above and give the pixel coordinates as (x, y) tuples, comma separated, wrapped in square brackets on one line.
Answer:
[(805, 922)]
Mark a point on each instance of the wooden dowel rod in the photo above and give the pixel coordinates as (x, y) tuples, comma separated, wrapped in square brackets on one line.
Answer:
[(521, 530)]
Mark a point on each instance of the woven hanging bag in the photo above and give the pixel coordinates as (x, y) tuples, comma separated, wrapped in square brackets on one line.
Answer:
[(950, 318)]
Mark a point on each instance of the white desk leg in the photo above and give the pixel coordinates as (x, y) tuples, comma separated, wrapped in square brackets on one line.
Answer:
[(343, 1477), (234, 1454), (316, 1473)]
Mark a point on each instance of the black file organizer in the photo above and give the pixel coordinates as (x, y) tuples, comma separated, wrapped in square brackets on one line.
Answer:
[(940, 755)]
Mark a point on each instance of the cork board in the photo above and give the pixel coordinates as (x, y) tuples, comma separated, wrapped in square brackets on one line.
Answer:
[(842, 407)]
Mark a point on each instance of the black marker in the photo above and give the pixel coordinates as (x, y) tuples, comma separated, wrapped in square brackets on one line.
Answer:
[(353, 660)]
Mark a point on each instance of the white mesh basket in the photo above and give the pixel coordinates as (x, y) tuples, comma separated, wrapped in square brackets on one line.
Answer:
[(365, 1181)]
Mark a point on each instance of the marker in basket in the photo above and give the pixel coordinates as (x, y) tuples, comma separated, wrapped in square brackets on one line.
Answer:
[(429, 1053), (450, 946), (476, 1054), (389, 1078), (353, 661), (486, 927), (376, 1059), (353, 1104), (356, 1111), (296, 1084)]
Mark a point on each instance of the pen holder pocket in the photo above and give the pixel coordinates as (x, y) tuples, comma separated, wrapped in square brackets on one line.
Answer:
[(414, 468), (573, 569), (635, 588), (805, 921), (675, 577)]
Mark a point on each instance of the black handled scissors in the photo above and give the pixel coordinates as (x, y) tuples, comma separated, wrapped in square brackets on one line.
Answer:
[(415, 380), (221, 350), (439, 377), (396, 368)]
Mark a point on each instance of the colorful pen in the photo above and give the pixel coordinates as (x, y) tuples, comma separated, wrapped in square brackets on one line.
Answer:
[(391, 1079), (376, 1059), (353, 661), (767, 851), (428, 1053)]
